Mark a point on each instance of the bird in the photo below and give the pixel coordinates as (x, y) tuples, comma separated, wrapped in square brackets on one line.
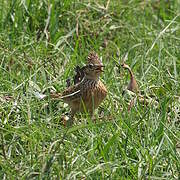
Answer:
[(89, 93), (132, 86), (134, 92)]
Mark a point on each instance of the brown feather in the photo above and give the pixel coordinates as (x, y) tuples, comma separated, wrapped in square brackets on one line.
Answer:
[(86, 95)]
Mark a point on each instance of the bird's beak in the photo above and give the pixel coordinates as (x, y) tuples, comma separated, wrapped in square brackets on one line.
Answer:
[(100, 68)]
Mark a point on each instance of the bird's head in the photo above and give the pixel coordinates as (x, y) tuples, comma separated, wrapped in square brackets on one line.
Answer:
[(94, 67), (93, 71)]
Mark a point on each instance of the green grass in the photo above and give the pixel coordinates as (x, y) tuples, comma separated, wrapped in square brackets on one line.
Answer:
[(41, 43)]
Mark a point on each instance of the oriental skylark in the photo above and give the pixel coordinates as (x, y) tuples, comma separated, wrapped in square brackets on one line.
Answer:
[(88, 94)]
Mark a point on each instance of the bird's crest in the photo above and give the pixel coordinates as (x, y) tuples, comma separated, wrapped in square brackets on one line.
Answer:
[(93, 58)]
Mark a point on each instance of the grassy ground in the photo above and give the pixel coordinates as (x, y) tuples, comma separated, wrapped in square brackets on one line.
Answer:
[(41, 43)]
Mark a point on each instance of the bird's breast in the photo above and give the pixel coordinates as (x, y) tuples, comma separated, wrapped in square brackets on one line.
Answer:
[(94, 95)]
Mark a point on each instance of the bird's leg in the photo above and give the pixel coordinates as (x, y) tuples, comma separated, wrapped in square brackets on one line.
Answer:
[(70, 121), (94, 119), (92, 116)]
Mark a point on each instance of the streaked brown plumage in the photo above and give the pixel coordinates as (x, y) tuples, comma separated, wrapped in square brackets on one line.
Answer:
[(88, 94), (85, 96)]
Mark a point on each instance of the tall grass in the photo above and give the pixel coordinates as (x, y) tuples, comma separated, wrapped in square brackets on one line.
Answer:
[(40, 44)]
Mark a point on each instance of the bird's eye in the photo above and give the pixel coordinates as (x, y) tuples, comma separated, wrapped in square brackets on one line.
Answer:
[(91, 66)]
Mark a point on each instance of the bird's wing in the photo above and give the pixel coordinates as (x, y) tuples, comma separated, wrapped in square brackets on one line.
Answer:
[(72, 93)]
